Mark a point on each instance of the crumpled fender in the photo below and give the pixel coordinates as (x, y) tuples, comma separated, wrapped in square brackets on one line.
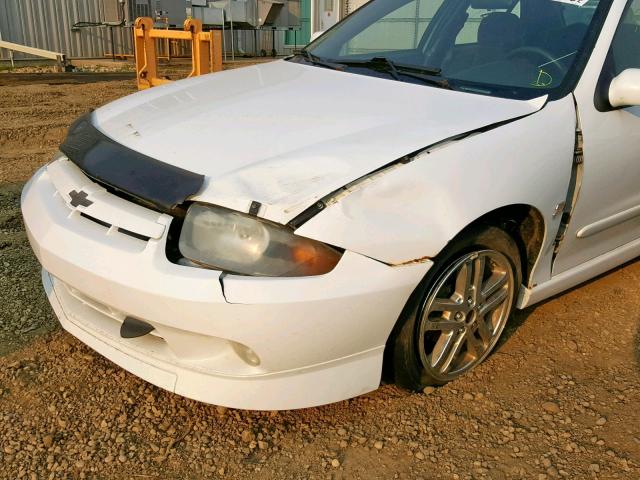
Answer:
[(412, 210)]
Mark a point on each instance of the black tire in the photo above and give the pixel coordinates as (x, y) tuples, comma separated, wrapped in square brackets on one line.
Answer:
[(407, 368)]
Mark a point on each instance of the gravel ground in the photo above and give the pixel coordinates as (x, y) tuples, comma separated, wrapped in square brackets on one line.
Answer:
[(559, 399), (24, 311)]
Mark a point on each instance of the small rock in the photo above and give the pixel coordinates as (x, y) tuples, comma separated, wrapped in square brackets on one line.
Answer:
[(335, 463), (378, 445), (573, 346), (342, 432), (47, 441), (428, 390), (594, 467), (467, 396), (221, 410), (551, 407), (601, 421), (420, 455), (247, 436)]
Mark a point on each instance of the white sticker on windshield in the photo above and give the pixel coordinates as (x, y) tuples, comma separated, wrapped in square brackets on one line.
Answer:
[(577, 3)]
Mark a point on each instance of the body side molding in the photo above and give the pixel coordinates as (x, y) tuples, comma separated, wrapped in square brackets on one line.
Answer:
[(609, 222), (579, 274)]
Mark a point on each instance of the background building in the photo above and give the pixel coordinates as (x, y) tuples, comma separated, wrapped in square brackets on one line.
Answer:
[(326, 13), (102, 28)]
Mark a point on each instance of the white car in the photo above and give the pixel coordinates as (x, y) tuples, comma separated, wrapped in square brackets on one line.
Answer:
[(272, 237)]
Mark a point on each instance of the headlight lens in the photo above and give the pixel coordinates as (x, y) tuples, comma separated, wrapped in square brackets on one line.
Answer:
[(237, 243)]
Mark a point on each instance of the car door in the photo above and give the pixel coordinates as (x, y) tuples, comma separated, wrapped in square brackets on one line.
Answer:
[(607, 212)]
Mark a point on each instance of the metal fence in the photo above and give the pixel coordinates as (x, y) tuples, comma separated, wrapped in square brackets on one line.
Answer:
[(47, 24)]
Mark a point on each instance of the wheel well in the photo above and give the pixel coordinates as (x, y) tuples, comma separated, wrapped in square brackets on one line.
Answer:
[(525, 224)]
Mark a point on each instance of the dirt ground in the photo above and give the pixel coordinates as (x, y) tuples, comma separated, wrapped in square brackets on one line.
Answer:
[(559, 399)]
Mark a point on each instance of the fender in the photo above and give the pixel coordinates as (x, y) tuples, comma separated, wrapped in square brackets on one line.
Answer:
[(409, 212)]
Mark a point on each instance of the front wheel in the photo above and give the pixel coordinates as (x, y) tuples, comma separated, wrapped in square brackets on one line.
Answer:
[(457, 314)]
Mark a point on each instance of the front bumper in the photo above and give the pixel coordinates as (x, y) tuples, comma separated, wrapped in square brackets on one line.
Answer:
[(319, 339)]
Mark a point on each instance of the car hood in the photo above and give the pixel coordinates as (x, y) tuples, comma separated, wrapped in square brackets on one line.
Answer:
[(286, 134)]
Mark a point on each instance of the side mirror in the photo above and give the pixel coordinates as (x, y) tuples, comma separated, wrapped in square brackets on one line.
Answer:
[(624, 90), (315, 35)]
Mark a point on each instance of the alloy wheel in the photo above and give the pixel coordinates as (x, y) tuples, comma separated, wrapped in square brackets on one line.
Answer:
[(465, 314)]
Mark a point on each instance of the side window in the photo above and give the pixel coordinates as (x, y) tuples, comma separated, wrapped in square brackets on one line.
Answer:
[(625, 48)]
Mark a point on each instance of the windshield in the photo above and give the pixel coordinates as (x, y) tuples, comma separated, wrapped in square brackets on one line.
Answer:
[(513, 48)]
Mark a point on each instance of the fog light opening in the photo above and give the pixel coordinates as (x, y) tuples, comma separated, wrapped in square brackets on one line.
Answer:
[(247, 355)]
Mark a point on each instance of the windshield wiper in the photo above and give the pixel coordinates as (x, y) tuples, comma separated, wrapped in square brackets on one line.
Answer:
[(316, 60), (385, 62), (396, 70), (435, 71), (429, 78), (425, 74)]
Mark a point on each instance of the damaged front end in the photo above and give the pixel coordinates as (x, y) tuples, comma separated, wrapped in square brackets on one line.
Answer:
[(149, 181), (167, 188)]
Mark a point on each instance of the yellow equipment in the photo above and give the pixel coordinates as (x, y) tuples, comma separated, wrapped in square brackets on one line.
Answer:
[(206, 50)]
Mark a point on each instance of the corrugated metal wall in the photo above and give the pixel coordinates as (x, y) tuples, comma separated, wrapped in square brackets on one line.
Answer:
[(245, 42), (47, 24)]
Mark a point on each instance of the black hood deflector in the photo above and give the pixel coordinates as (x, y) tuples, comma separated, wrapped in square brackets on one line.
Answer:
[(149, 180)]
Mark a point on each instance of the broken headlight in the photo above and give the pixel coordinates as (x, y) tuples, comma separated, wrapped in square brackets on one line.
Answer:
[(234, 242)]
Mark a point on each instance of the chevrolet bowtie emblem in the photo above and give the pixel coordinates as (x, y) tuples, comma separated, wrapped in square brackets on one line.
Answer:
[(79, 198)]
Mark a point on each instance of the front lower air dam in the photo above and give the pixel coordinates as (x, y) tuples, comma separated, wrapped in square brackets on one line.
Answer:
[(264, 343)]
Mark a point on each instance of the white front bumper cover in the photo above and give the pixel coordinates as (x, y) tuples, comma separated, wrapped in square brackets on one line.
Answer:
[(319, 339)]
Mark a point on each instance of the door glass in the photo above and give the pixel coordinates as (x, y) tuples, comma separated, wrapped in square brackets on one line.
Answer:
[(625, 48)]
